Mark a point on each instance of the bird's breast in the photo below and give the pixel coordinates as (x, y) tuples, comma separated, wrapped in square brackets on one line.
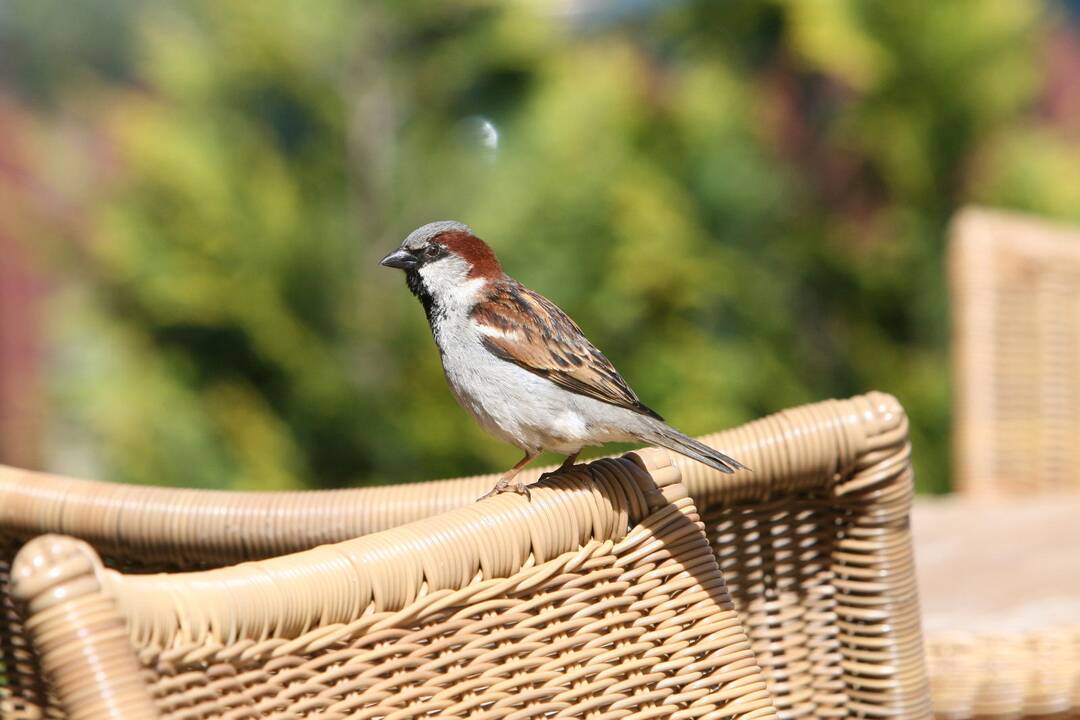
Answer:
[(519, 406)]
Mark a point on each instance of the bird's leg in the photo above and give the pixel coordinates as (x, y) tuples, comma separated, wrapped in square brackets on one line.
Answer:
[(569, 461), (505, 484), (566, 465)]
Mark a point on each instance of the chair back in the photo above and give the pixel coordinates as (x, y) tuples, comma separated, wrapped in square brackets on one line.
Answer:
[(1015, 284)]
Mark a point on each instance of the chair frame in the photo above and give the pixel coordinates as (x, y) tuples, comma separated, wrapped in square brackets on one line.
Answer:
[(599, 594), (832, 612)]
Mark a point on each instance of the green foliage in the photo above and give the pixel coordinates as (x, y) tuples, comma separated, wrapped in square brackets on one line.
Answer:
[(745, 205)]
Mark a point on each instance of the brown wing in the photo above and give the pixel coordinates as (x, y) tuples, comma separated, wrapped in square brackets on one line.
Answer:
[(543, 339)]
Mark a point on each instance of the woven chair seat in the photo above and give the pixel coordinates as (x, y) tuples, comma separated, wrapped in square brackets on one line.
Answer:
[(814, 546)]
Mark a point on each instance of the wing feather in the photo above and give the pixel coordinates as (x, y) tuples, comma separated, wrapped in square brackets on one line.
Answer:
[(529, 330)]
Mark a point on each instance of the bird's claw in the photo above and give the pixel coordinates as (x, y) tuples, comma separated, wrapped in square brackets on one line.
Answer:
[(500, 487), (505, 485)]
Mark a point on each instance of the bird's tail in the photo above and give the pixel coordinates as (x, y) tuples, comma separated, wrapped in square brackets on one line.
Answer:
[(668, 437)]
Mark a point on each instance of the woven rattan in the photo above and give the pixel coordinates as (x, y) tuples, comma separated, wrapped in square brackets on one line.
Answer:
[(1001, 644), (1015, 285), (597, 597), (814, 544), (1005, 676), (79, 635)]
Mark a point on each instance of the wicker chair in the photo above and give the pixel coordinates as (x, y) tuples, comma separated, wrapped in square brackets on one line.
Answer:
[(999, 649), (598, 596), (1002, 676), (1015, 284), (815, 546)]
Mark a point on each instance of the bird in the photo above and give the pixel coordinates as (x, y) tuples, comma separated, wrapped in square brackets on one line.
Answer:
[(519, 364)]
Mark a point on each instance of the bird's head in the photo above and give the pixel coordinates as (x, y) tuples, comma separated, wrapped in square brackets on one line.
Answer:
[(444, 263)]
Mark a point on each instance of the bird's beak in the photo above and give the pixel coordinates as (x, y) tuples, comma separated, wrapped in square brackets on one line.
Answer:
[(401, 259)]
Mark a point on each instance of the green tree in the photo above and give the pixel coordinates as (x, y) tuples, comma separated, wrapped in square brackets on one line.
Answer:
[(744, 204)]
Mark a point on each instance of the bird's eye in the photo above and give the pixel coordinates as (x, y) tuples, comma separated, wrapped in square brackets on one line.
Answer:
[(431, 252)]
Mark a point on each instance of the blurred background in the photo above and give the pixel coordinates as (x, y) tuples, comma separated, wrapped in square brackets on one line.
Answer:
[(744, 204)]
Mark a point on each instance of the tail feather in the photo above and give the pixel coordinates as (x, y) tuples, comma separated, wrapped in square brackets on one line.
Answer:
[(668, 437)]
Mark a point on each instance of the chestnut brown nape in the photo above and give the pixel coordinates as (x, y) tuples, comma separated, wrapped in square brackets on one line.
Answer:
[(474, 250)]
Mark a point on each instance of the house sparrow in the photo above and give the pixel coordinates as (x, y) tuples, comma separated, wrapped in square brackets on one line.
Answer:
[(518, 363)]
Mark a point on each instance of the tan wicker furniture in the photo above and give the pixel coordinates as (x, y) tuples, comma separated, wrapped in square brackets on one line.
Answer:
[(599, 596), (1001, 644), (1009, 649), (814, 544), (1015, 284)]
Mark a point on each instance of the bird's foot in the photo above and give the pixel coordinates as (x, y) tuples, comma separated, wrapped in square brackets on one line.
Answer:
[(522, 489), (499, 488), (506, 485)]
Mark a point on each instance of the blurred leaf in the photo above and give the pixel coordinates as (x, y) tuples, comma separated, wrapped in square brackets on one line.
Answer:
[(743, 204)]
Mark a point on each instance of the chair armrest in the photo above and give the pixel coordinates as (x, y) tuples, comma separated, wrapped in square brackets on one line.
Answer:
[(78, 634)]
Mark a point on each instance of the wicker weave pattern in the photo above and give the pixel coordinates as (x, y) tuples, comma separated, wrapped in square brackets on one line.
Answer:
[(819, 560), (599, 597), (79, 635), (1016, 353), (999, 677), (1001, 604), (814, 544)]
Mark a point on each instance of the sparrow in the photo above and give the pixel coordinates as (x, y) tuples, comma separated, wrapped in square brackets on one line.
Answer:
[(518, 364)]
